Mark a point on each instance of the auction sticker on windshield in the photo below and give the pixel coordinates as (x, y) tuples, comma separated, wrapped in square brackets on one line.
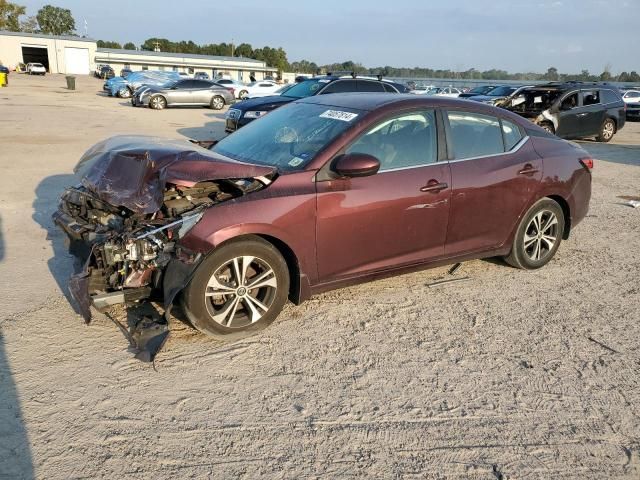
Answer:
[(338, 115)]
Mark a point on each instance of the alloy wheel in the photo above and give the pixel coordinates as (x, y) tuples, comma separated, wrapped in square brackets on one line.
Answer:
[(541, 235), (608, 130), (157, 103), (218, 103), (241, 291)]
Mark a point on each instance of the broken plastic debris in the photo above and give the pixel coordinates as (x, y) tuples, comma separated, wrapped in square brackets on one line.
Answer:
[(633, 203)]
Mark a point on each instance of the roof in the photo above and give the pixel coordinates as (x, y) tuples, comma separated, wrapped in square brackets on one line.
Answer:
[(147, 53), (42, 35)]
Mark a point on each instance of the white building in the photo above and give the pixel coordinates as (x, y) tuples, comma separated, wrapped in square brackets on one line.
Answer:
[(76, 55)]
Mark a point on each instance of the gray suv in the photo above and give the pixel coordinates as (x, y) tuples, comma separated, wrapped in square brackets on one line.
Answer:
[(183, 92)]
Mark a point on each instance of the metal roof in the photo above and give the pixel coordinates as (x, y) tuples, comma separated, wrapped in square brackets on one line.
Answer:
[(42, 35), (194, 56)]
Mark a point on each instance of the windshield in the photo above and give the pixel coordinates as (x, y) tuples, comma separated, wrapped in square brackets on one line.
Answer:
[(307, 88), (288, 138), (501, 91), (481, 90)]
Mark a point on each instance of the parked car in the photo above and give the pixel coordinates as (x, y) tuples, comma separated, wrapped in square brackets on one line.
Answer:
[(450, 92), (106, 72), (98, 69), (147, 78), (328, 191), (279, 91), (4, 69), (263, 86), (201, 76), (498, 94), (183, 92), (248, 110), (572, 109), (36, 69), (236, 86), (421, 89), (482, 90), (631, 100)]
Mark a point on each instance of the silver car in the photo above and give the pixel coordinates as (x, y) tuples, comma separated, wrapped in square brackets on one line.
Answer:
[(183, 92)]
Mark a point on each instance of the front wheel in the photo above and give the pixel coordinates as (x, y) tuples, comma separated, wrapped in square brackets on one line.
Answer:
[(124, 93), (238, 290), (538, 236), (158, 102), (217, 102), (607, 131)]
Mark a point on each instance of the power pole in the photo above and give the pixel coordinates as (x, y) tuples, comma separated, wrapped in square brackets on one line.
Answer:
[(233, 48)]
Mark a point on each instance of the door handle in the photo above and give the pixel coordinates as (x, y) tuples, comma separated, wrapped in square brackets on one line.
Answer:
[(528, 170), (434, 186), (581, 114)]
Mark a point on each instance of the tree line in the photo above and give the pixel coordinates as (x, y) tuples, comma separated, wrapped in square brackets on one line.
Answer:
[(59, 21)]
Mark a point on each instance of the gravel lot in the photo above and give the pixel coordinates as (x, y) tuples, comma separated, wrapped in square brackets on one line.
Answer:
[(509, 375)]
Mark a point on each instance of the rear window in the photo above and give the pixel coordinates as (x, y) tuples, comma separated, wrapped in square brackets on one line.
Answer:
[(370, 86), (474, 135), (512, 134), (609, 96)]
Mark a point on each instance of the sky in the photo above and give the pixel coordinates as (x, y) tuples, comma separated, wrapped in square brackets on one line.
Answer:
[(513, 35)]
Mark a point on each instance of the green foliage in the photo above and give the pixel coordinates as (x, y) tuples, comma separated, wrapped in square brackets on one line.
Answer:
[(103, 44), (129, 46), (56, 20), (10, 16)]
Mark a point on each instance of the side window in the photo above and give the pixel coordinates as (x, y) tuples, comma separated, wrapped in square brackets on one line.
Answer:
[(569, 102), (609, 96), (341, 86), (474, 135), (590, 97), (512, 134), (388, 88), (370, 86), (409, 140)]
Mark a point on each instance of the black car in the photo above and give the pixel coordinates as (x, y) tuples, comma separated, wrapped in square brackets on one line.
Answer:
[(106, 72), (483, 90), (572, 109), (248, 110)]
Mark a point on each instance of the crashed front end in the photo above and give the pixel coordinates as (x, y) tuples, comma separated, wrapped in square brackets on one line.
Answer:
[(138, 198)]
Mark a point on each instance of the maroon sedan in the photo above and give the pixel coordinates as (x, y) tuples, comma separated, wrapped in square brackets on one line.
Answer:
[(325, 192)]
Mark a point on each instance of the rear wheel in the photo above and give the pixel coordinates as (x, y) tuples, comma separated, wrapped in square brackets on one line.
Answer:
[(238, 290), (607, 131), (217, 102), (243, 94), (538, 236), (158, 102)]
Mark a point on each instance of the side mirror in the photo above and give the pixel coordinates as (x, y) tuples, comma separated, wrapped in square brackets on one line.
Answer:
[(356, 165)]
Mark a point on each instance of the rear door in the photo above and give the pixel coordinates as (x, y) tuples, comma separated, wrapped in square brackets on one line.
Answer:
[(181, 93), (593, 113), (570, 115), (494, 173)]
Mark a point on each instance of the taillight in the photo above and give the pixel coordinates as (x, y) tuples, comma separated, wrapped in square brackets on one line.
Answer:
[(232, 90), (587, 163)]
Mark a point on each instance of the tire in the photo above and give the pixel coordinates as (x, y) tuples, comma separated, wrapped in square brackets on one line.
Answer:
[(243, 94), (210, 308), (607, 131), (158, 102), (548, 126), (533, 247), (217, 102), (124, 93)]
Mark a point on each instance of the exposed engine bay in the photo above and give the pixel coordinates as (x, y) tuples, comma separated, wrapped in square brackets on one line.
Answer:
[(137, 200), (534, 104)]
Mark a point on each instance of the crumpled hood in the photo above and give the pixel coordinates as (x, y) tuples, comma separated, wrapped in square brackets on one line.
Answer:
[(132, 171)]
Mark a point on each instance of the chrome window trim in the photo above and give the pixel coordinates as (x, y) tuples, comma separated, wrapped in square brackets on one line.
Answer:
[(516, 147)]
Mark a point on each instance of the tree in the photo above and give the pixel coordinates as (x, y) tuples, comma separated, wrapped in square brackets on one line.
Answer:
[(552, 74), (30, 25), (56, 20), (10, 16), (244, 50), (103, 44), (129, 46), (634, 77)]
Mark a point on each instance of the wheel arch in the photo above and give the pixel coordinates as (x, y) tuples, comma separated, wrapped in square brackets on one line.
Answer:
[(299, 287), (566, 211)]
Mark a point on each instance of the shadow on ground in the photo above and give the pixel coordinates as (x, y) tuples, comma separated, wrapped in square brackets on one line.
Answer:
[(15, 450), (607, 152), (213, 130), (61, 264)]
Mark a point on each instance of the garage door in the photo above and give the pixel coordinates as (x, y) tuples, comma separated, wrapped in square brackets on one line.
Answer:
[(33, 54), (76, 60)]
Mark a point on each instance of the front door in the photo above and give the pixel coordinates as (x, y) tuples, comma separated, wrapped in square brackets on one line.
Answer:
[(397, 216), (594, 113), (494, 176)]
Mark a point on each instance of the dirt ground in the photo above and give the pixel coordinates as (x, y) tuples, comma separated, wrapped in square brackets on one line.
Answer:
[(509, 375)]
